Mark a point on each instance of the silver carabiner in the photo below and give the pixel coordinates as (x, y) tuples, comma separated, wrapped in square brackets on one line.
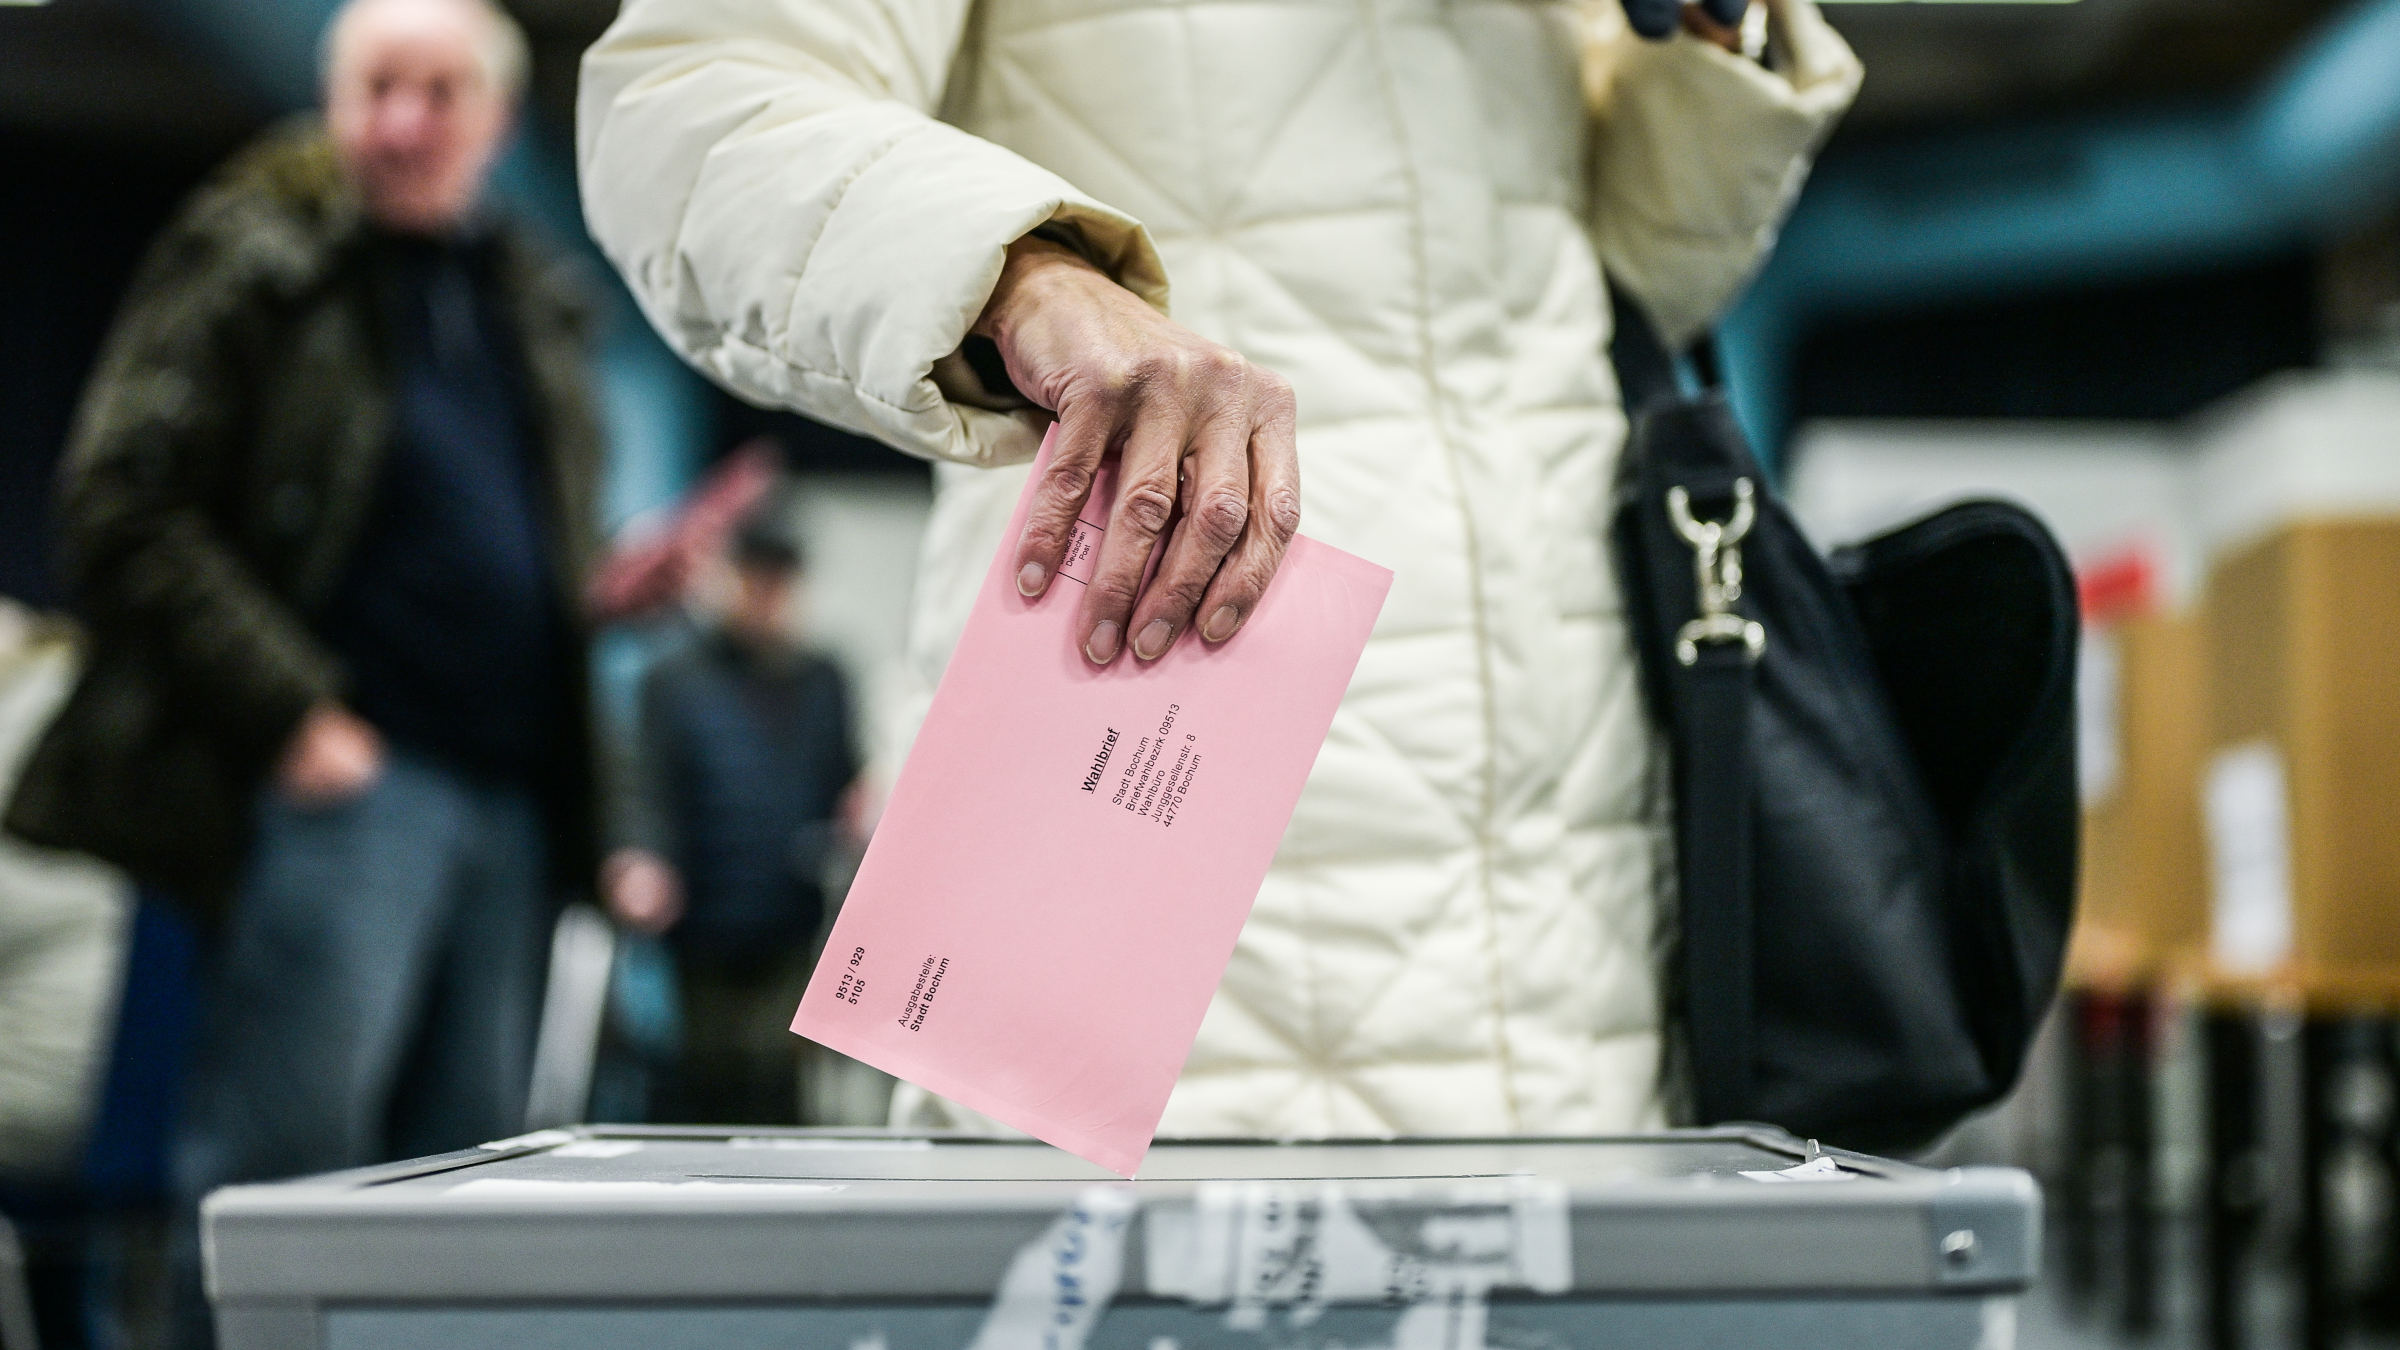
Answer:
[(1717, 573)]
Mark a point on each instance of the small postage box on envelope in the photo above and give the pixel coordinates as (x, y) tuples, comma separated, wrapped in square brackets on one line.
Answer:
[(1057, 882)]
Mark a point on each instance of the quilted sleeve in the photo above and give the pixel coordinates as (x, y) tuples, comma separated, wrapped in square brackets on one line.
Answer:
[(1698, 152), (158, 444), (770, 179)]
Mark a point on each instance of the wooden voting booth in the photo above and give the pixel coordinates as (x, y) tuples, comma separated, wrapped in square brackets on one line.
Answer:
[(2302, 784), (2244, 863), (2246, 845), (2144, 900), (2144, 883), (2300, 797)]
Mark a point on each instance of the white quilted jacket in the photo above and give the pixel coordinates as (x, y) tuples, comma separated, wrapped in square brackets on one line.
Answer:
[(1404, 206)]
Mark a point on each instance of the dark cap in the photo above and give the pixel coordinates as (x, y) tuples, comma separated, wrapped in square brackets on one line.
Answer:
[(768, 539)]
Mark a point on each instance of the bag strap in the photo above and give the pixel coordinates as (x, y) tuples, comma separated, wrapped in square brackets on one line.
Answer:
[(1645, 368), (1714, 848), (1709, 678)]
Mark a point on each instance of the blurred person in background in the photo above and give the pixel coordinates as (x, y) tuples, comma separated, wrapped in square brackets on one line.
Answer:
[(745, 772), (1390, 227), (326, 512)]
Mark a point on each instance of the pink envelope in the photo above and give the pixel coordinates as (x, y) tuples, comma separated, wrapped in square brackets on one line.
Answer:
[(1070, 851)]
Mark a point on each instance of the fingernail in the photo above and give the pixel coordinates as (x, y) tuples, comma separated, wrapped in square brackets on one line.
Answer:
[(1030, 579), (1102, 644), (1153, 640), (1221, 624)]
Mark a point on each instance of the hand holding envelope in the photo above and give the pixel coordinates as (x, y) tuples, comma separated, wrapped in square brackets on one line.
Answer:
[(1194, 426), (1070, 851)]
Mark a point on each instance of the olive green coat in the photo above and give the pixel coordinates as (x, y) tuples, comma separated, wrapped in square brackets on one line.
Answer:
[(220, 472)]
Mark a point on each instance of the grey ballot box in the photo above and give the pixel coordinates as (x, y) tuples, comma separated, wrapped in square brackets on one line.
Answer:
[(603, 1238)]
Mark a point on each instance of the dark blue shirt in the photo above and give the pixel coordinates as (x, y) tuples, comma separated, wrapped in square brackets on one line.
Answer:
[(448, 619), (745, 758)]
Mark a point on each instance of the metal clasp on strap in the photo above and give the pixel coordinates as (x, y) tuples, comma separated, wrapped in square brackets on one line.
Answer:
[(1717, 562)]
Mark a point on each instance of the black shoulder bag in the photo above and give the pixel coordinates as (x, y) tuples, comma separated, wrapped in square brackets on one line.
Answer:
[(1874, 777)]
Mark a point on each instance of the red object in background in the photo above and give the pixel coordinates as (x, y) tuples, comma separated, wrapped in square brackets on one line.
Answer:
[(2118, 585), (655, 558)]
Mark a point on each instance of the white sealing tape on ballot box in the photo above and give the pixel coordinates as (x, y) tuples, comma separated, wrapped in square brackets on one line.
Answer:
[(1058, 1284), (1291, 1249)]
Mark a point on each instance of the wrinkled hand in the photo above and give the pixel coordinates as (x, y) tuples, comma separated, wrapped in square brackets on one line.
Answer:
[(1719, 21), (643, 892), (1207, 467), (333, 756)]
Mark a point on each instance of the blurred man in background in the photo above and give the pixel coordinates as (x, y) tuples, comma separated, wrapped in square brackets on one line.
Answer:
[(326, 512), (746, 763)]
